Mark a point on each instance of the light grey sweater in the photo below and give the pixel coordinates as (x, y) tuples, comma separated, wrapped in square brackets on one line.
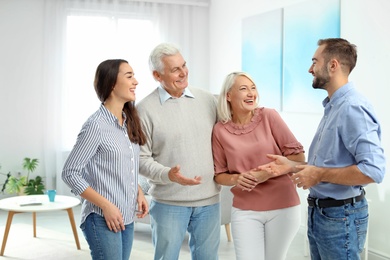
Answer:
[(179, 132)]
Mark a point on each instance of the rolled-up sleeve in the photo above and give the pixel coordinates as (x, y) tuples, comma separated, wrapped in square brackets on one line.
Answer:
[(363, 140)]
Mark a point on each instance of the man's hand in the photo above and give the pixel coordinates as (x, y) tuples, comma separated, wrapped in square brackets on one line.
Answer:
[(307, 177), (176, 176), (281, 165)]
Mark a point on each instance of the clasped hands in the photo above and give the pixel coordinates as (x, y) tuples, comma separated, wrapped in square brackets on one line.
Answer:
[(301, 174), (247, 181), (304, 176)]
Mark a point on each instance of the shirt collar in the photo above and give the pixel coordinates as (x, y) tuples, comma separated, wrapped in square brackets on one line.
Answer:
[(164, 95), (338, 93), (107, 113)]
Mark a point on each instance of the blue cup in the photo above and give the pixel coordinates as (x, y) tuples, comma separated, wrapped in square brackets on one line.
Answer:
[(51, 194)]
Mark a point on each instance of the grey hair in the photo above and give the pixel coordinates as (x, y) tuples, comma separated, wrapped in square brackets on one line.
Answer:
[(159, 52), (223, 109)]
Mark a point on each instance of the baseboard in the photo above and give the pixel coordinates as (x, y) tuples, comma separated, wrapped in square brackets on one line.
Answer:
[(376, 255)]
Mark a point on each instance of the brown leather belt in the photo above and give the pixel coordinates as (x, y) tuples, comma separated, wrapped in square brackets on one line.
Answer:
[(327, 203)]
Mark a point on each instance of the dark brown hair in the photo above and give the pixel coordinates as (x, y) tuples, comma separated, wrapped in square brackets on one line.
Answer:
[(341, 50), (105, 79)]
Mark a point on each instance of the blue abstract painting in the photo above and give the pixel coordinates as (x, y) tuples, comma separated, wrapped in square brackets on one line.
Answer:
[(262, 55), (277, 48)]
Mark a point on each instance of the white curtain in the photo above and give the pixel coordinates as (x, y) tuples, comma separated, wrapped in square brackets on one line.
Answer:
[(183, 24)]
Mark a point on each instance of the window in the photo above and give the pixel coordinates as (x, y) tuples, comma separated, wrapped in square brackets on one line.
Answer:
[(89, 41)]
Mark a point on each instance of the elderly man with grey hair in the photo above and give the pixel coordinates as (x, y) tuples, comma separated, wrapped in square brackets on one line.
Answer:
[(177, 160)]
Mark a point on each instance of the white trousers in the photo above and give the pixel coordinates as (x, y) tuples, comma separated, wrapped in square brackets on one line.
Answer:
[(264, 235)]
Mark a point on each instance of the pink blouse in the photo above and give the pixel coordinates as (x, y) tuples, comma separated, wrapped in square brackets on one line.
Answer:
[(238, 149)]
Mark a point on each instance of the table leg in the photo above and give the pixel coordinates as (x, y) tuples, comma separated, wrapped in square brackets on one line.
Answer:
[(73, 224), (34, 224), (6, 231), (228, 233)]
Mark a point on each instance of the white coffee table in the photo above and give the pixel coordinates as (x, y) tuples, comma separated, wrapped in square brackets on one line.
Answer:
[(12, 205)]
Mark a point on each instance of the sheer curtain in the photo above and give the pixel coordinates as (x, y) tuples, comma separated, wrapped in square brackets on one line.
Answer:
[(183, 24)]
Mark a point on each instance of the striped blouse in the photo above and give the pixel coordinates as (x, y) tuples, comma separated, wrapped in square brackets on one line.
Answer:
[(104, 159)]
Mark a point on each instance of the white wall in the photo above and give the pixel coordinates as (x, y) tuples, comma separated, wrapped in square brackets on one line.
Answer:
[(21, 50), (364, 23)]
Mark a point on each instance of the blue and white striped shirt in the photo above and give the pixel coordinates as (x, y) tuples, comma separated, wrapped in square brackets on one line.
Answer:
[(104, 159)]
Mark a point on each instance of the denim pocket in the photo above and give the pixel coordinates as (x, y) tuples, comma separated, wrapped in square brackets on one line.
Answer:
[(361, 229), (336, 214)]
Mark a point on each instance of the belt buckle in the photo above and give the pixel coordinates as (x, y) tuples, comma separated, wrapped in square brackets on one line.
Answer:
[(313, 200)]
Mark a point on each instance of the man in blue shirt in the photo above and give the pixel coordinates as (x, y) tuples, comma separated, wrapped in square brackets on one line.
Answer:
[(344, 156)]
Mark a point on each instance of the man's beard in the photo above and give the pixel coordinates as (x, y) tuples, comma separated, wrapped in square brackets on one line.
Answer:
[(321, 80)]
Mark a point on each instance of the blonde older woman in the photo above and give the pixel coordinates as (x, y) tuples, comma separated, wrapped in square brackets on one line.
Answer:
[(266, 209)]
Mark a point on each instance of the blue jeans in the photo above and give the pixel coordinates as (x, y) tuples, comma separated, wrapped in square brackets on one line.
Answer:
[(106, 244), (170, 223), (338, 232)]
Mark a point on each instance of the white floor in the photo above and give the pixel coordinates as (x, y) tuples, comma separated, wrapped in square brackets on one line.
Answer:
[(226, 249), (55, 240)]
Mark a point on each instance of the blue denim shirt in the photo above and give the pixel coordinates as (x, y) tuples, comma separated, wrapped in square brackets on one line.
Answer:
[(348, 134)]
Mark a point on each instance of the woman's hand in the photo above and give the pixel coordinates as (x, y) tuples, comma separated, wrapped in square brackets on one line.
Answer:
[(143, 207), (113, 217), (246, 181), (111, 213)]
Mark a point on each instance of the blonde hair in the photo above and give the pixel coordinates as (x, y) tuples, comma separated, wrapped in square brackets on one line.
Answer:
[(223, 108)]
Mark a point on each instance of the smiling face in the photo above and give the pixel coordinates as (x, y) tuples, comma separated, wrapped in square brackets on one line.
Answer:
[(124, 89), (319, 70), (242, 96), (174, 79)]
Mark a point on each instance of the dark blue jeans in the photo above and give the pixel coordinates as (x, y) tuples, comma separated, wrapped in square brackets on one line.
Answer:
[(338, 232), (106, 244)]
